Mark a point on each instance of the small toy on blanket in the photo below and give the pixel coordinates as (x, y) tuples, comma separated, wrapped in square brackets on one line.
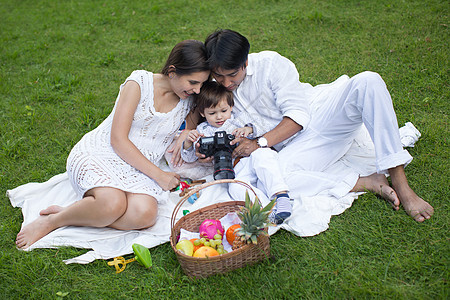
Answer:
[(142, 256), (185, 186)]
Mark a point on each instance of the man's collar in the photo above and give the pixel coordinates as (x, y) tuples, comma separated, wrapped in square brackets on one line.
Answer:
[(249, 68)]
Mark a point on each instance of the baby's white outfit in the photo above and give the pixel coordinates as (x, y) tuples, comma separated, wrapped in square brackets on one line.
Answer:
[(260, 169), (94, 163)]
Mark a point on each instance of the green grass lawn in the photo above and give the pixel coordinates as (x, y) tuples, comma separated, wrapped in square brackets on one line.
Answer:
[(61, 63)]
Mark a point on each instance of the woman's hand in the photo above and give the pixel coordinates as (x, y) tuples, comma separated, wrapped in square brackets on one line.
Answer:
[(168, 180), (176, 160)]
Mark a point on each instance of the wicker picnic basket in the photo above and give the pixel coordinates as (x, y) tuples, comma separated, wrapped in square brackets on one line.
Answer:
[(204, 267)]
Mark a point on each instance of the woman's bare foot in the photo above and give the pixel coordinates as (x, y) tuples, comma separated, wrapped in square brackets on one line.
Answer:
[(33, 232), (53, 209), (378, 184)]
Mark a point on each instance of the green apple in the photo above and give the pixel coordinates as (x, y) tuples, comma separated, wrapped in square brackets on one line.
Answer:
[(186, 247)]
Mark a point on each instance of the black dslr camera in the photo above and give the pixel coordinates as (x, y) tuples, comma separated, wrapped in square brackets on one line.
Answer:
[(219, 146)]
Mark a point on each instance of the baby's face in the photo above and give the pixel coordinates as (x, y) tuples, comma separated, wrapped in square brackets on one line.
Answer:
[(217, 115)]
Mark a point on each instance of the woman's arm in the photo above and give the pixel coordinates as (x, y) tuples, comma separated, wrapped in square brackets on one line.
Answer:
[(123, 117), (192, 120)]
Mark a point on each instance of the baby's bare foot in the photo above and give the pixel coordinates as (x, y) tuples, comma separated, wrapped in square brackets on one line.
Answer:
[(33, 232)]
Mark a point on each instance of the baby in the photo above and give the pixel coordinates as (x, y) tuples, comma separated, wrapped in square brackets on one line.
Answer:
[(215, 104)]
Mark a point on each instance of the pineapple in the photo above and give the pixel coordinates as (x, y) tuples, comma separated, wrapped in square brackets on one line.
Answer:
[(254, 219)]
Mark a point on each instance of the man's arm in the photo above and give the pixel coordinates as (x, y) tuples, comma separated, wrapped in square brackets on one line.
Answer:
[(284, 130)]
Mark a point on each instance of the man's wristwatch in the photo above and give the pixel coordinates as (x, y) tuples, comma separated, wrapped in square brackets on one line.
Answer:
[(262, 142)]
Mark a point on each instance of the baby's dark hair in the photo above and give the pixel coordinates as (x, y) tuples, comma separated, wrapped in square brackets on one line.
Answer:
[(211, 94)]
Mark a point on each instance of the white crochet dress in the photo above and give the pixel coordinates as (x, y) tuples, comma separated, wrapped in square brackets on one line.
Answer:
[(93, 162)]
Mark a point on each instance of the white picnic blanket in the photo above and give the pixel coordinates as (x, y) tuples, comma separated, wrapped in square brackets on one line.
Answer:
[(311, 214)]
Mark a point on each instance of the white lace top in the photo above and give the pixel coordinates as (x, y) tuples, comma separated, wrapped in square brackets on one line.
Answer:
[(93, 162)]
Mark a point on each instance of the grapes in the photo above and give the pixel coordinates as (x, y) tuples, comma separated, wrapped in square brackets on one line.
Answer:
[(215, 243)]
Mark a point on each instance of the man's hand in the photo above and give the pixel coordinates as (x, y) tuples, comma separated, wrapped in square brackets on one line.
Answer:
[(245, 147)]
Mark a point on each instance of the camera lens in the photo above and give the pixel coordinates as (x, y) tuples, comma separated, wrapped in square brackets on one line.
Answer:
[(223, 165)]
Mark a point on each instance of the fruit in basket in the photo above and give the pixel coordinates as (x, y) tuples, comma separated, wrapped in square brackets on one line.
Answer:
[(255, 219), (206, 251), (231, 235), (185, 246), (196, 243), (222, 251), (209, 228)]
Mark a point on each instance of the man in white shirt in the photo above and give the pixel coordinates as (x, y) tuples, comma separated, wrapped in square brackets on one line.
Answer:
[(313, 127)]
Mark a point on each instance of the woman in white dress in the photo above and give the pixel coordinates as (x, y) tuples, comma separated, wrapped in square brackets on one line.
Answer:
[(114, 168)]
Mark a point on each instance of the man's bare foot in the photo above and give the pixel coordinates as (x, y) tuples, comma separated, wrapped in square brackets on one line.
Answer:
[(53, 209), (33, 232), (416, 207), (378, 184)]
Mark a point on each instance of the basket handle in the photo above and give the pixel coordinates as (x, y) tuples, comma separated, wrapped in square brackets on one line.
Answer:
[(200, 187)]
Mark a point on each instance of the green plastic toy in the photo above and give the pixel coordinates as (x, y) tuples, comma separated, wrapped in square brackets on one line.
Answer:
[(142, 256)]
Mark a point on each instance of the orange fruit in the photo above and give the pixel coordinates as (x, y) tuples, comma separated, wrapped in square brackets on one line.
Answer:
[(205, 251), (195, 247), (230, 233)]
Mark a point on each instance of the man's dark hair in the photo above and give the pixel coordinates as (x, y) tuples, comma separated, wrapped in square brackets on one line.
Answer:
[(227, 49), (211, 94)]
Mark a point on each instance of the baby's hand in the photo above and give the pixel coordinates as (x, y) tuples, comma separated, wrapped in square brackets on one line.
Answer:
[(243, 131), (193, 136)]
